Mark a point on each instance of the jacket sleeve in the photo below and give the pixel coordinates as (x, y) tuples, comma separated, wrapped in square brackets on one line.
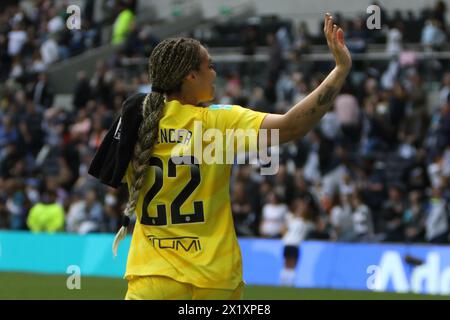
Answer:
[(111, 160), (103, 163)]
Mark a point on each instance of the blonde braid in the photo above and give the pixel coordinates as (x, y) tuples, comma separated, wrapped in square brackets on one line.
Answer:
[(170, 62)]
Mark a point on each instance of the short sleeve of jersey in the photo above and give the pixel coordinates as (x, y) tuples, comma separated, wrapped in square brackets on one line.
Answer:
[(243, 123), (224, 117)]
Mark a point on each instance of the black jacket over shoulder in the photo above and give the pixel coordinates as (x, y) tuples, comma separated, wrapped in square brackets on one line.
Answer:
[(114, 153)]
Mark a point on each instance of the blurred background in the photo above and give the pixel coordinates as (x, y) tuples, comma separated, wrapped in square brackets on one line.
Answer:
[(371, 182)]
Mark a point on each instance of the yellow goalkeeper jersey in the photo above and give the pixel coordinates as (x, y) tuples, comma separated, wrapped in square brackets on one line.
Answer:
[(184, 226)]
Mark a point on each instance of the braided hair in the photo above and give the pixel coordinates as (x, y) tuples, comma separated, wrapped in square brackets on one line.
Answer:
[(169, 64)]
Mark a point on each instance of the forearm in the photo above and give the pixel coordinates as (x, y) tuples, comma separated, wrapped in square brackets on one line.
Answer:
[(305, 115)]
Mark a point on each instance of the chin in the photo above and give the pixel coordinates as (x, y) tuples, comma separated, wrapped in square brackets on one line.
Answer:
[(210, 98)]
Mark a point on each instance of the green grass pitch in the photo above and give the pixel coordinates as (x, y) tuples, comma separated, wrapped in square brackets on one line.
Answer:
[(38, 286)]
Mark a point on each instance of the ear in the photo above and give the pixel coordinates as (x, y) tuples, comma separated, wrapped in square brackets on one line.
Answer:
[(192, 76)]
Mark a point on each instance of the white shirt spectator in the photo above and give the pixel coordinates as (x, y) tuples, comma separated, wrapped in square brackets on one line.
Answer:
[(390, 75), (49, 51), (297, 230), (83, 220), (330, 125), (55, 24), (432, 35), (341, 220), (16, 70), (311, 169), (274, 216), (436, 223), (362, 221), (17, 39), (394, 41), (446, 163), (443, 94)]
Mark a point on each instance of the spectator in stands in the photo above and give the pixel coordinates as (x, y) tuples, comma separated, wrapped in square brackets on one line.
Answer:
[(4, 57), (437, 217), (85, 215), (16, 203), (46, 215), (4, 214), (42, 92), (250, 41), (414, 218), (9, 156), (394, 39), (362, 218), (55, 22), (348, 113), (38, 65), (8, 131), (376, 132), (49, 50), (298, 225), (101, 84), (53, 184), (112, 211), (32, 190), (439, 12), (341, 218), (438, 137), (357, 36), (16, 39), (275, 66), (243, 214), (82, 126), (82, 91), (392, 212), (445, 89), (283, 183), (123, 24), (302, 41), (273, 216), (98, 131), (415, 176), (433, 37)]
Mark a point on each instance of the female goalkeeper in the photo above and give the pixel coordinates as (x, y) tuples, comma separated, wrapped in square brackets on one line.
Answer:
[(184, 245)]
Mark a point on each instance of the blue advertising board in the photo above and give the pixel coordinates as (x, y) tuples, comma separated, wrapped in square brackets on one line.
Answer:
[(354, 266)]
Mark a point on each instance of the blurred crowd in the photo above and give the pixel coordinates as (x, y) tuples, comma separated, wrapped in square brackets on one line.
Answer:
[(35, 33), (376, 168)]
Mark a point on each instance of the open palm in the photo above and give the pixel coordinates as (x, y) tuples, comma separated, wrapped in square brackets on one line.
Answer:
[(336, 43)]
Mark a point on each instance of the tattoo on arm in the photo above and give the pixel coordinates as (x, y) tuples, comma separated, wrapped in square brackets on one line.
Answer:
[(327, 97), (310, 112)]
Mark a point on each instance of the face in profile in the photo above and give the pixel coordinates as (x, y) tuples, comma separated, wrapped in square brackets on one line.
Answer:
[(201, 82)]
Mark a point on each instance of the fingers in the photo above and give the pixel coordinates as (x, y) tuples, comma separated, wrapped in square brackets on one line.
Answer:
[(329, 28), (334, 37), (329, 25), (340, 36), (333, 33), (326, 25)]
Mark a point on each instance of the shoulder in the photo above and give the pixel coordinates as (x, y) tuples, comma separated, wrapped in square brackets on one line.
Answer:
[(215, 107), (134, 99)]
